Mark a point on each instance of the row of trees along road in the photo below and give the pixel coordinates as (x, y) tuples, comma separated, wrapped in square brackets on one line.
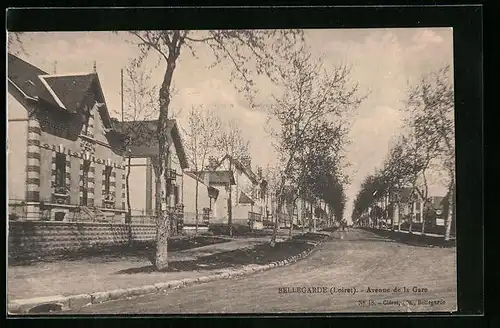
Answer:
[(309, 112), (429, 145), (207, 135), (248, 52), (310, 115)]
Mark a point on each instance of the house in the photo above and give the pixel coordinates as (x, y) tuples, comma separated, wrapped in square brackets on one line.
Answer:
[(435, 210), (220, 182), (248, 197), (209, 202), (65, 157), (405, 202), (142, 153)]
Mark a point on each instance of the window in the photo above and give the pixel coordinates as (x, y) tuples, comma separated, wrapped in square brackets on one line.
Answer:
[(60, 170), (107, 179), (176, 195), (85, 181)]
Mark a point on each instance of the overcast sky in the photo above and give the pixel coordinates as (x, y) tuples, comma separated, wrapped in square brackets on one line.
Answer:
[(383, 62)]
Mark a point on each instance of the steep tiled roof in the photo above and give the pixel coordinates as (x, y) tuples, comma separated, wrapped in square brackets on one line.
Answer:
[(248, 171), (70, 89), (195, 176), (26, 77), (143, 139), (245, 199), (60, 91)]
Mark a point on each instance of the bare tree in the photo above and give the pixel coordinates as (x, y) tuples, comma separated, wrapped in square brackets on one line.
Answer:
[(249, 52), (139, 106), (400, 170), (309, 111), (423, 150), (201, 132), (230, 142), (431, 105)]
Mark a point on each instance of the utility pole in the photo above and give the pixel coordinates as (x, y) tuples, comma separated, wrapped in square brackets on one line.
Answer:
[(121, 75)]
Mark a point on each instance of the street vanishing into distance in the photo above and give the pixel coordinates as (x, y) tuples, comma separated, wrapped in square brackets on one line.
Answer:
[(353, 271), (197, 153)]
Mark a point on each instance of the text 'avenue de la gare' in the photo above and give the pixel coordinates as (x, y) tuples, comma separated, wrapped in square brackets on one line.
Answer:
[(349, 290)]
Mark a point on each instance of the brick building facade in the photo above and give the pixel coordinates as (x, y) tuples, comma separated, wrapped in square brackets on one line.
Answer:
[(65, 158)]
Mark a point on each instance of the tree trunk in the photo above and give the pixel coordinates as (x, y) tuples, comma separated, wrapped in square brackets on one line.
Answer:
[(398, 213), (276, 222), (230, 212), (128, 218), (422, 215), (163, 219), (304, 209), (162, 227), (412, 212), (311, 219), (291, 221), (325, 215), (450, 216), (424, 202), (230, 203), (392, 216), (196, 208)]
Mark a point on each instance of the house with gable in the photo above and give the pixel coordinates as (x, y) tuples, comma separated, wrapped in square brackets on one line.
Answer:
[(405, 202), (247, 195), (211, 189), (142, 154), (65, 157), (435, 209)]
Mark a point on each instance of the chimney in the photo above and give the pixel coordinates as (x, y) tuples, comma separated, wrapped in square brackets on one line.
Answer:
[(259, 173), (212, 162), (95, 66)]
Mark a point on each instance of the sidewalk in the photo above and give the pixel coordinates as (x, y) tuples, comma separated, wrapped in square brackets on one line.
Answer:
[(419, 233), (70, 277)]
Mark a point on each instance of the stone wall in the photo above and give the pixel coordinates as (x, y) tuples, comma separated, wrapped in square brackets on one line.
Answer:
[(42, 238)]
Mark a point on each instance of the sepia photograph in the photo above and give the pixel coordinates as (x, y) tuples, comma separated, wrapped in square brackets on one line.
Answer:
[(231, 171)]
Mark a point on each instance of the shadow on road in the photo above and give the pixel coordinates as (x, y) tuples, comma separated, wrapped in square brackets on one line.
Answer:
[(259, 254)]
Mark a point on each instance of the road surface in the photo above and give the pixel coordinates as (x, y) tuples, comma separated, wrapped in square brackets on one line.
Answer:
[(355, 271)]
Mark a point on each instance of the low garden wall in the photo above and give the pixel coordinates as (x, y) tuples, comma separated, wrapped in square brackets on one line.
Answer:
[(40, 238)]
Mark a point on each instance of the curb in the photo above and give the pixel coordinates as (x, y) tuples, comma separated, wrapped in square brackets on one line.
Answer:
[(58, 302)]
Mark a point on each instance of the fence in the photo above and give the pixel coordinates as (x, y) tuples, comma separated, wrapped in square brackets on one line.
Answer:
[(254, 216), (189, 219), (143, 219)]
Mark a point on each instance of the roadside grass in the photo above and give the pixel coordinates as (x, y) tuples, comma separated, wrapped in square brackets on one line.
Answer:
[(101, 273), (260, 254), (137, 251), (413, 239)]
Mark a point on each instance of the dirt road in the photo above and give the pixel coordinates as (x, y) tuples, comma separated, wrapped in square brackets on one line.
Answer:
[(354, 271)]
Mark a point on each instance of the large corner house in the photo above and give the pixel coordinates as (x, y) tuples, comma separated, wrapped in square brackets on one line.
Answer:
[(65, 157), (68, 159)]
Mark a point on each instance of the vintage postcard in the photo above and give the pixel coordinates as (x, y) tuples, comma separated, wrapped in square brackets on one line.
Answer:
[(231, 171)]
